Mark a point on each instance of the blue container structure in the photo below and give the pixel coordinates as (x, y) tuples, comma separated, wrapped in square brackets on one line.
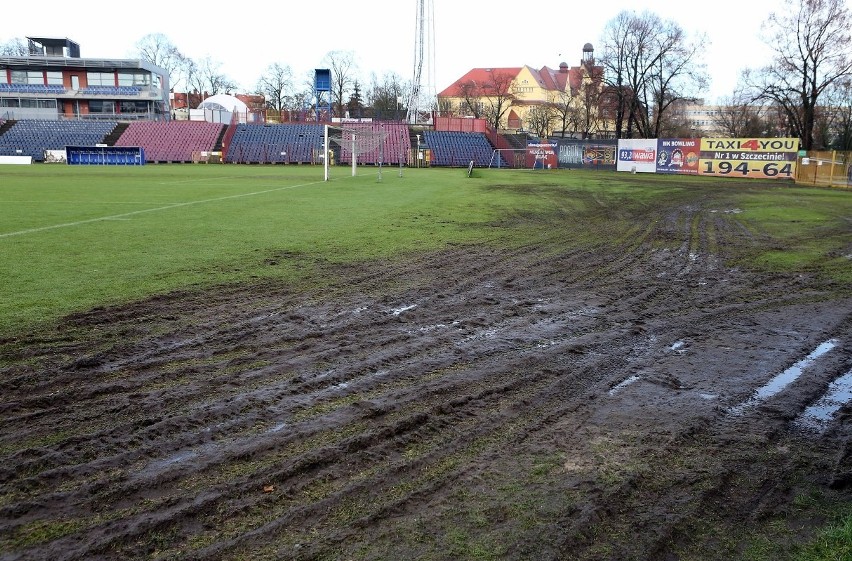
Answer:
[(105, 155)]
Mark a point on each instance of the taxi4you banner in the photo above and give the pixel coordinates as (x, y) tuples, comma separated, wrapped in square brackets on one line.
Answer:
[(736, 157)]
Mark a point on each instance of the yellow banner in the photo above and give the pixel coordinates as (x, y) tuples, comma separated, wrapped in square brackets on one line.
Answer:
[(766, 158)]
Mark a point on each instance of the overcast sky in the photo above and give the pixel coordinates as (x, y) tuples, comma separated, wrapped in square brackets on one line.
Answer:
[(248, 36)]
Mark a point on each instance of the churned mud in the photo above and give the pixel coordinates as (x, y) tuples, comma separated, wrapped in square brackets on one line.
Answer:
[(649, 401)]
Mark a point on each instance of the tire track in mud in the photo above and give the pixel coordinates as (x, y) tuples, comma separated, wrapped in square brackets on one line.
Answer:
[(468, 381), (367, 403)]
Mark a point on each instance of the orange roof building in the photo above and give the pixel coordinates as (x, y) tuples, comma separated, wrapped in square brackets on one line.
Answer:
[(520, 94)]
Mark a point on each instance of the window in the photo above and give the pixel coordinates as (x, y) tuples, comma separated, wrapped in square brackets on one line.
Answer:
[(134, 106), (100, 78), (47, 103), (97, 106), (35, 77), (54, 78), (134, 79), (10, 102), (19, 77)]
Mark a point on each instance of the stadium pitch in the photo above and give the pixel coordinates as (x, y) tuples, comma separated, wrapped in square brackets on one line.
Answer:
[(244, 362)]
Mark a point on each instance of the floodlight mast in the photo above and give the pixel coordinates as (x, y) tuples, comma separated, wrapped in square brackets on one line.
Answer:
[(421, 103)]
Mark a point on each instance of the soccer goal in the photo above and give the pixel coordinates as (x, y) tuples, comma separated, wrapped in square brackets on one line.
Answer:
[(356, 145), (509, 158)]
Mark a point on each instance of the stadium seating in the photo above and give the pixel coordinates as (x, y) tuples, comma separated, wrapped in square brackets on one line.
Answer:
[(385, 142), (33, 137), (111, 90), (32, 88), (285, 143), (450, 148), (171, 141)]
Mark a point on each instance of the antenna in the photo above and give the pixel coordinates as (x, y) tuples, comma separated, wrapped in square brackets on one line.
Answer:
[(423, 94)]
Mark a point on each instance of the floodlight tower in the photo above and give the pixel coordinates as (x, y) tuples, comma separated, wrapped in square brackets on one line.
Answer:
[(423, 98)]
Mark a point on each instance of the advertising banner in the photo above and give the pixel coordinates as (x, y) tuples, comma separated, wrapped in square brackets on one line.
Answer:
[(678, 155), (764, 158), (592, 154), (541, 155), (637, 155)]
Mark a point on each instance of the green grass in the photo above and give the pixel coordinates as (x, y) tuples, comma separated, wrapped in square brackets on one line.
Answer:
[(834, 543), (72, 238)]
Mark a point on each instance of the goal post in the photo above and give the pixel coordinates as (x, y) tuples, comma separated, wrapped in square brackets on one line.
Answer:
[(509, 158), (353, 143)]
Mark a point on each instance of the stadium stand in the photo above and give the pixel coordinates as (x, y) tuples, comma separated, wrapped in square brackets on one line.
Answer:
[(112, 90), (457, 149), (285, 143), (33, 137), (171, 141), (32, 88), (386, 142)]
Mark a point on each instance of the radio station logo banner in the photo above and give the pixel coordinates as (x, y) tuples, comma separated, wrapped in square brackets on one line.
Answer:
[(764, 158), (678, 155), (638, 155)]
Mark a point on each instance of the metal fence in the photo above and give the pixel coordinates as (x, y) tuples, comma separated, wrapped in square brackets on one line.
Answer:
[(825, 169)]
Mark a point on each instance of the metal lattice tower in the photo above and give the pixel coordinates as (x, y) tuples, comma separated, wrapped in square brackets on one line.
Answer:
[(423, 98)]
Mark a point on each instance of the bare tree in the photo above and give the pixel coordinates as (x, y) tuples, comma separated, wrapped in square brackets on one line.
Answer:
[(343, 77), (676, 75), (387, 96), (498, 93), (157, 49), (470, 102), (739, 116), (579, 112), (563, 109), (14, 47), (619, 95), (276, 85), (206, 76), (812, 49), (649, 64), (539, 119), (842, 111)]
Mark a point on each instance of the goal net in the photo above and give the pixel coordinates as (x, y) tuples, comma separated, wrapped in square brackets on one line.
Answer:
[(354, 145), (509, 158)]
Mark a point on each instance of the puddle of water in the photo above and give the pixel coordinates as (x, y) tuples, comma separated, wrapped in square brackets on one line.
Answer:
[(784, 379), (428, 328), (398, 311), (839, 393), (180, 457), (277, 428), (623, 384)]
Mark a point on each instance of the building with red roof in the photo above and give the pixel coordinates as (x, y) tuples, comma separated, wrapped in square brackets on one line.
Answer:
[(563, 101)]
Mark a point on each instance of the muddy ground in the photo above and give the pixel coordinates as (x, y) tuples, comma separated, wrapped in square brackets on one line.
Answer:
[(644, 401)]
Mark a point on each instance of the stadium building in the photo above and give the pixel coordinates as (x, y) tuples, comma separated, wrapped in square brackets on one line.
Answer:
[(561, 102), (53, 82)]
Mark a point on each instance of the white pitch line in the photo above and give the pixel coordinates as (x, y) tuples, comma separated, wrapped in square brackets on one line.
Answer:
[(137, 212)]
